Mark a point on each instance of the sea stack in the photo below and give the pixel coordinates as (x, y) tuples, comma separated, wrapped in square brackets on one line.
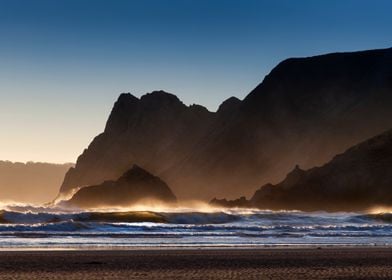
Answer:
[(135, 185)]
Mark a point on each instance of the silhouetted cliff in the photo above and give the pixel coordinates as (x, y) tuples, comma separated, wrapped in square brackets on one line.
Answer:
[(132, 187), (358, 179), (305, 111), (156, 131)]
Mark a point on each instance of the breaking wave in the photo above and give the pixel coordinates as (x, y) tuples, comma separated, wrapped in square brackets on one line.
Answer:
[(34, 226)]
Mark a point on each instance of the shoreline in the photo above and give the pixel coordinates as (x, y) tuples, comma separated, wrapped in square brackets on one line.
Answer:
[(196, 247), (255, 263)]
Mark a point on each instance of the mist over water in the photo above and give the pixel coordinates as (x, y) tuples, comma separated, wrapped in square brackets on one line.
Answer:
[(192, 224)]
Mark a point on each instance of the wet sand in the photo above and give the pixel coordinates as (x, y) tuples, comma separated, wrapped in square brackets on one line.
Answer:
[(279, 263)]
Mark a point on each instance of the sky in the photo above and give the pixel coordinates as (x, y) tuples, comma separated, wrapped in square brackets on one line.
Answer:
[(63, 63)]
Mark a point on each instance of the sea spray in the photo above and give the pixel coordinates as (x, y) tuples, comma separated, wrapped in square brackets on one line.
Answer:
[(37, 226)]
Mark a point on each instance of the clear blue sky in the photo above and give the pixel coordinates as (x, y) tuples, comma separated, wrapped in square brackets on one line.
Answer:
[(64, 62)]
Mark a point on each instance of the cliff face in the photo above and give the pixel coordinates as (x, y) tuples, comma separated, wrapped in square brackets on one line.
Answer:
[(305, 111), (156, 131), (358, 179), (132, 187)]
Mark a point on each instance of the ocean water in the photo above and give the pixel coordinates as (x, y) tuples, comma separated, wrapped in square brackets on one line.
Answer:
[(23, 227)]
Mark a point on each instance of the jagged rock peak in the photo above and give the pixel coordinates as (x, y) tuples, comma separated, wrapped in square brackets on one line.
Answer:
[(294, 176), (160, 96), (126, 97), (155, 97), (124, 101)]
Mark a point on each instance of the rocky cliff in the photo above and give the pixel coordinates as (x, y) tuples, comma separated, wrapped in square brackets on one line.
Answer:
[(358, 179), (156, 131), (305, 111)]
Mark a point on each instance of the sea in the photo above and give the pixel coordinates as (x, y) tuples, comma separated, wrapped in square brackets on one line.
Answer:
[(25, 226)]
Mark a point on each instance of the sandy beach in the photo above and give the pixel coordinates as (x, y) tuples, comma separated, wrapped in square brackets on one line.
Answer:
[(265, 263)]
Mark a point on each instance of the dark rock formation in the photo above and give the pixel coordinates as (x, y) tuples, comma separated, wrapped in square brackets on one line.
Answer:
[(355, 180), (229, 106), (305, 111), (156, 131), (135, 185)]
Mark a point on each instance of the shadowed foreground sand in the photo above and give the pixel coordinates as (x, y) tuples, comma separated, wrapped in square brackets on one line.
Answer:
[(331, 263)]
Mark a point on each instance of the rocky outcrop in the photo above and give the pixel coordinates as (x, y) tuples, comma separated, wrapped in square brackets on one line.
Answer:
[(358, 179), (156, 131), (135, 185), (305, 111)]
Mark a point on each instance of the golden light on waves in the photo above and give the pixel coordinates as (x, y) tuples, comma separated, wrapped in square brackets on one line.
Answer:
[(380, 210)]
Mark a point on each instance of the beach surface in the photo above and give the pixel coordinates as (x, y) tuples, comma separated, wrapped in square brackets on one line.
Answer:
[(260, 263)]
